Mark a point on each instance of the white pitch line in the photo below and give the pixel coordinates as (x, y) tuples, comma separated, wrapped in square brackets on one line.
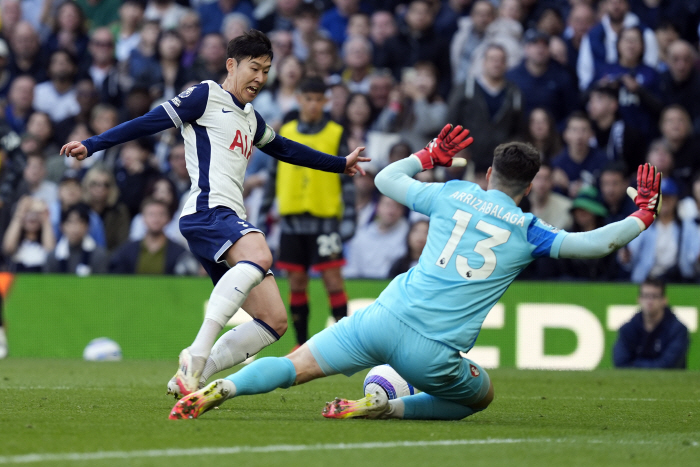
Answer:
[(155, 453)]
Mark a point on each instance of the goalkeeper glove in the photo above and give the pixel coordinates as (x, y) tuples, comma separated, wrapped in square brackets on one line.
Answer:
[(442, 149), (647, 196)]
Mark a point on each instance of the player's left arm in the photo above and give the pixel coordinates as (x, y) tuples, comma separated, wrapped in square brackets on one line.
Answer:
[(289, 151), (396, 181)]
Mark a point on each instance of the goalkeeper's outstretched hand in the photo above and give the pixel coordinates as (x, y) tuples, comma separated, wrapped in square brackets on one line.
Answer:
[(442, 149), (647, 196)]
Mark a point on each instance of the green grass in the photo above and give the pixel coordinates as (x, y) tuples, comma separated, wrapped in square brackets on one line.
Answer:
[(600, 418)]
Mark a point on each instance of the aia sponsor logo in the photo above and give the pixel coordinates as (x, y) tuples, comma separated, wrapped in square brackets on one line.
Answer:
[(243, 143), (474, 370)]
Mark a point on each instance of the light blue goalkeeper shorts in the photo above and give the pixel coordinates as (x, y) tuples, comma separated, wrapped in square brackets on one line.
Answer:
[(374, 336)]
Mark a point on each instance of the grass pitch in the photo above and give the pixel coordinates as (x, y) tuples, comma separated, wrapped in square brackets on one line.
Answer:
[(75, 413)]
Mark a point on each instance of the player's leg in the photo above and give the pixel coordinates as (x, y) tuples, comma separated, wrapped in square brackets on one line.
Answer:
[(299, 303), (251, 258), (265, 305), (335, 287)]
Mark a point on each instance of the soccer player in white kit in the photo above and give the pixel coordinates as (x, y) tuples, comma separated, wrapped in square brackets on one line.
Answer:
[(220, 128)]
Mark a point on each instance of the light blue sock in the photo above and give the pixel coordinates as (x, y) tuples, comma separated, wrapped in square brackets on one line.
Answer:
[(423, 406), (264, 375)]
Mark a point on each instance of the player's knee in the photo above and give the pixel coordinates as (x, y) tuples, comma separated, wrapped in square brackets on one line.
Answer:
[(277, 319), (486, 401)]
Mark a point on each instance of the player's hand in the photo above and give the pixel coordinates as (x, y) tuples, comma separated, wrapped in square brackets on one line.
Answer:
[(74, 149), (647, 196), (351, 167), (442, 149)]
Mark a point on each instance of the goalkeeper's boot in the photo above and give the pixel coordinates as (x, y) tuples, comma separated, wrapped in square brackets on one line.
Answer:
[(198, 402), (373, 405), (174, 389), (189, 372)]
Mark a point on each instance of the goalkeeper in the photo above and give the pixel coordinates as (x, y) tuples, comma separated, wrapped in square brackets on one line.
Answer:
[(478, 242)]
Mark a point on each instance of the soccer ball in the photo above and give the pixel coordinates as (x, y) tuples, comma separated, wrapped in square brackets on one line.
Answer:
[(387, 379), (102, 349)]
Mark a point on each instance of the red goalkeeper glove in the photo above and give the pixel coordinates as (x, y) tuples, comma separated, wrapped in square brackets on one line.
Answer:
[(647, 196), (442, 149)]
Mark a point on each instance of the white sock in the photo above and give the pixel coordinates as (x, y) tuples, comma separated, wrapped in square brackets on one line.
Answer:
[(237, 345), (396, 409), (226, 298)]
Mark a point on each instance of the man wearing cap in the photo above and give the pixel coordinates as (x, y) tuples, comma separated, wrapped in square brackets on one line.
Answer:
[(544, 82), (657, 250)]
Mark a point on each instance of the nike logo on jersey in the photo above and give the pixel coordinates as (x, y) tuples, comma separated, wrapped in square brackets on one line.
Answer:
[(226, 111)]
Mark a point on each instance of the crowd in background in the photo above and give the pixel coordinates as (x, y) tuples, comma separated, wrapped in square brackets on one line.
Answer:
[(597, 87)]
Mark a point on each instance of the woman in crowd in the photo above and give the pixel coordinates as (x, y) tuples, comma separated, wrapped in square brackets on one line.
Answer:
[(275, 102), (100, 192), (542, 133), (29, 238)]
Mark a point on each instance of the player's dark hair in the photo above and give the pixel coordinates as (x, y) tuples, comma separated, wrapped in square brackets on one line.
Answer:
[(251, 44), (652, 282), (514, 166), (313, 85)]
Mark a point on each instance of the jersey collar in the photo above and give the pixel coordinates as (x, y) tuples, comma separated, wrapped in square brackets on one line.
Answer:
[(246, 108)]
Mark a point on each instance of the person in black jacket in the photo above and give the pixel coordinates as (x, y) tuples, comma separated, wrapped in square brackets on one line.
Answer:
[(155, 254), (654, 337)]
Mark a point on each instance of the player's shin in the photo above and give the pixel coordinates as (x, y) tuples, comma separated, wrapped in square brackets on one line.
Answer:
[(237, 345), (264, 375)]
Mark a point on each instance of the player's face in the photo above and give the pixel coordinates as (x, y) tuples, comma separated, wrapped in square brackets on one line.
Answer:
[(248, 77)]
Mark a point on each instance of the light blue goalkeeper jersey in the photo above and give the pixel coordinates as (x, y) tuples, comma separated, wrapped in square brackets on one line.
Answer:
[(478, 242)]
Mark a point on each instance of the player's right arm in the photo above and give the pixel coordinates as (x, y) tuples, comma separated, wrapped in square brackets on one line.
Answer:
[(170, 114), (603, 241)]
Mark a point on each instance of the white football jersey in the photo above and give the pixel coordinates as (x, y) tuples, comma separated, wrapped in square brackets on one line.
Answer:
[(219, 138)]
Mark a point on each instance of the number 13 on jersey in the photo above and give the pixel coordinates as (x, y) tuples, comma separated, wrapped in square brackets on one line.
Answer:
[(483, 247)]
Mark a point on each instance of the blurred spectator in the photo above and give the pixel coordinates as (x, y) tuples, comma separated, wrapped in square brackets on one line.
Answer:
[(619, 140), (689, 262), (382, 27), (366, 195), (578, 164), (640, 101), (381, 82), (163, 190), (666, 34), (660, 156), (100, 12), (11, 167), (155, 253), (358, 117), (168, 13), (100, 192), (335, 20), (579, 22), (77, 252), (134, 172), (357, 57), (178, 169), (488, 105), (281, 18), (589, 214), (415, 110), (213, 13), (613, 191), (470, 34), (551, 207), (104, 117), (72, 166), (680, 84), (339, 96), (324, 60), (57, 97), (689, 207), (138, 102), (415, 242), (234, 25), (448, 14), (34, 181), (543, 81), (657, 250), (306, 30), (542, 133), (275, 102), (145, 52), (599, 46), (11, 14), (103, 67), (281, 47), (654, 337), (69, 31), (401, 150), (375, 247), (190, 30), (677, 132), (358, 25), (165, 77), (211, 60), (20, 101), (127, 30), (87, 97), (27, 56), (419, 42), (69, 194), (550, 21), (5, 72), (29, 237)]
